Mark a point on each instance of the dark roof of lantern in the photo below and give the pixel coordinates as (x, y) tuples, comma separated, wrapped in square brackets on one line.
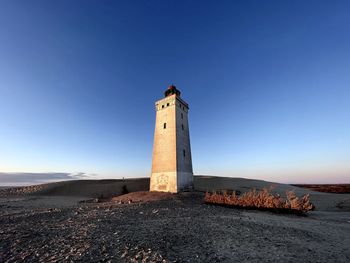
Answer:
[(171, 91)]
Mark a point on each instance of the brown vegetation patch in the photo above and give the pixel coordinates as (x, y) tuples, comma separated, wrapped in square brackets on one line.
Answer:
[(142, 197), (263, 200), (327, 188)]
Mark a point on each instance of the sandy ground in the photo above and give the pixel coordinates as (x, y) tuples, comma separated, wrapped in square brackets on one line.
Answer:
[(82, 188), (174, 228)]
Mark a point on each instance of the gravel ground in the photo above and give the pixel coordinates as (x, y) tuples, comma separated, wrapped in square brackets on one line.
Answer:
[(181, 229)]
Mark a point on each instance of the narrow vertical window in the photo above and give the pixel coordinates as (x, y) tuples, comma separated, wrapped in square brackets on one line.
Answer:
[(164, 125), (182, 126), (182, 116), (162, 106), (184, 152), (167, 104)]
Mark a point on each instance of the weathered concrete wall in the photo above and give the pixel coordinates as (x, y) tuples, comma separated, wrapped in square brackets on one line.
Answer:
[(172, 161), (164, 148), (183, 147), (164, 182)]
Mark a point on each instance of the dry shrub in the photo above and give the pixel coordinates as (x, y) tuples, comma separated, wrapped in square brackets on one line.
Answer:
[(263, 199)]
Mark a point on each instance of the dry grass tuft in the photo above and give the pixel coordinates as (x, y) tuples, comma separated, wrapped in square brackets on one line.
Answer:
[(264, 200)]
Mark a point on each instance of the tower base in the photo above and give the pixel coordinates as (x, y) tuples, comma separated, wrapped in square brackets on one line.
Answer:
[(172, 182)]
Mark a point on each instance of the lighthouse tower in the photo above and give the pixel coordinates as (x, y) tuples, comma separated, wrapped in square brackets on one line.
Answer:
[(172, 161)]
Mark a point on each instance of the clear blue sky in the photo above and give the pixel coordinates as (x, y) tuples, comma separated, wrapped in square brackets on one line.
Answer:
[(268, 84)]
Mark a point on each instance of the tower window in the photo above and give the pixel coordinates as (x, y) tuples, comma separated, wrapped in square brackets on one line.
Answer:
[(182, 126), (164, 125), (162, 106), (167, 104), (184, 152), (182, 116)]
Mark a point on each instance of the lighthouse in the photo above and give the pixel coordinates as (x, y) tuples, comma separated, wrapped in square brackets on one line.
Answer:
[(172, 160)]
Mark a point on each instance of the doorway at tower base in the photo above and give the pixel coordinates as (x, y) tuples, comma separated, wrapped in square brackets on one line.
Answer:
[(172, 182)]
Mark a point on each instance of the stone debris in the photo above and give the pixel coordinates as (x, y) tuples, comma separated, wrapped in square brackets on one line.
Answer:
[(136, 255)]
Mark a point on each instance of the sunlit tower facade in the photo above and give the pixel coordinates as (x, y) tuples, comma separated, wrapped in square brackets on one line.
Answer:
[(172, 161)]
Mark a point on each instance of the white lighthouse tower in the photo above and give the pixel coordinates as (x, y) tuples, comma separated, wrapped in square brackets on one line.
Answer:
[(172, 161)]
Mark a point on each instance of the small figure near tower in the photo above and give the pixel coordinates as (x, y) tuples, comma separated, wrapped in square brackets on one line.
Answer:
[(172, 161)]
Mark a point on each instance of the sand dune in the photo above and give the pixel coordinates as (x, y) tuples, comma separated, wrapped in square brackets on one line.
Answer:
[(215, 183), (113, 187), (110, 188), (82, 188)]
